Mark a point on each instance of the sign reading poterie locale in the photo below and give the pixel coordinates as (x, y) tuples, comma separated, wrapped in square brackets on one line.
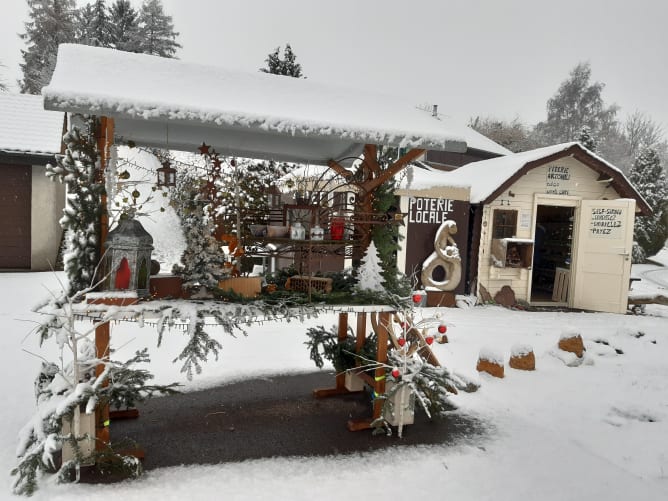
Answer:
[(425, 216), (606, 222), (429, 210)]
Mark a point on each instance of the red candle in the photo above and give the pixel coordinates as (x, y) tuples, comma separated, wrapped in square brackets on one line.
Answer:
[(337, 227)]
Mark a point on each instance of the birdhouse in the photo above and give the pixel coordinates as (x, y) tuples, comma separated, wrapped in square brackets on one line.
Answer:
[(128, 257)]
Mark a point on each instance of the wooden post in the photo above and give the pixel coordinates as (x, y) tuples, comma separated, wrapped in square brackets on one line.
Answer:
[(102, 411), (361, 333), (102, 343), (340, 387), (104, 137), (382, 328)]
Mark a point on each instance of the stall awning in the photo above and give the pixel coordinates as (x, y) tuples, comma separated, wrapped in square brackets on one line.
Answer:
[(163, 103)]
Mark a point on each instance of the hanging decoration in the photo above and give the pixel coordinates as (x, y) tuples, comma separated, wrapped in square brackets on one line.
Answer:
[(166, 175)]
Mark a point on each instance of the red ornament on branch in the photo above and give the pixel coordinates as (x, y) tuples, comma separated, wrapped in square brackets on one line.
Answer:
[(442, 328), (429, 340), (401, 342), (396, 373)]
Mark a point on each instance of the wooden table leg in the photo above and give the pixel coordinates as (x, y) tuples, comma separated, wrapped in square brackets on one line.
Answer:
[(340, 388)]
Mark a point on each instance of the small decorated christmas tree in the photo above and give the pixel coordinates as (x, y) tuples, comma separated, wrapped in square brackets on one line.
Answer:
[(370, 273), (202, 262)]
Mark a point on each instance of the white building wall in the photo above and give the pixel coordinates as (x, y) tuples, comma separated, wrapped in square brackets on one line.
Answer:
[(48, 202)]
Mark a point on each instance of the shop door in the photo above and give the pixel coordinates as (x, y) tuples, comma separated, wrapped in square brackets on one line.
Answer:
[(603, 255)]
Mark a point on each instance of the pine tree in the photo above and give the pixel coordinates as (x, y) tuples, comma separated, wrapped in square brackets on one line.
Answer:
[(123, 26), (155, 34), (78, 168), (648, 177), (586, 139), (93, 25), (287, 66), (202, 260), (386, 237), (52, 22)]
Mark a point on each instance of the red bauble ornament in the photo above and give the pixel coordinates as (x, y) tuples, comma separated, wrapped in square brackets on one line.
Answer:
[(401, 341), (442, 328), (429, 339), (417, 298), (395, 373)]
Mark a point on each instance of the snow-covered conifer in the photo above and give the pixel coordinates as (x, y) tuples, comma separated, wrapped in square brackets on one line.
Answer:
[(287, 66), (586, 139), (155, 34), (122, 25), (649, 178), (202, 260), (78, 168), (51, 23), (93, 25)]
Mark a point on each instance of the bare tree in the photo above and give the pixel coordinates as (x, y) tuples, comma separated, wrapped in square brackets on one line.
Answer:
[(514, 135), (643, 132)]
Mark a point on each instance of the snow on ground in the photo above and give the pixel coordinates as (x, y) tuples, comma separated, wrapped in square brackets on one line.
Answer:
[(597, 431)]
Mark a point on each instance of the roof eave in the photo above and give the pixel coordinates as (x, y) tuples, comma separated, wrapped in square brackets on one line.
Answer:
[(618, 180)]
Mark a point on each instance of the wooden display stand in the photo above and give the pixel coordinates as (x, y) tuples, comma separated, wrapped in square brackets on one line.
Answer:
[(381, 322)]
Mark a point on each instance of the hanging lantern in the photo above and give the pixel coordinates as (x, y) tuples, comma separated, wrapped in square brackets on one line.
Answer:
[(128, 257), (166, 175)]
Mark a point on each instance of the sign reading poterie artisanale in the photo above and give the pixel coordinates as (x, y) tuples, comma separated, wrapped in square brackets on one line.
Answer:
[(429, 210), (558, 180), (606, 222)]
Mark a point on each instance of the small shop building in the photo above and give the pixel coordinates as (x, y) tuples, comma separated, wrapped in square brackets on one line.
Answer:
[(554, 225)]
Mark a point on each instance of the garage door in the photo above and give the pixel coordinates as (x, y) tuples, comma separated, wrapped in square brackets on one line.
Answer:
[(15, 181)]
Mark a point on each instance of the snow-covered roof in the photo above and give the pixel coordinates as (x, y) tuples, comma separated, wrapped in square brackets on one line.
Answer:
[(421, 180), (156, 101), (487, 177), (25, 127)]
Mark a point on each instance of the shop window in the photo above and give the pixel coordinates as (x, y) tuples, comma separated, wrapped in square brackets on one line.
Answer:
[(512, 252), (504, 224)]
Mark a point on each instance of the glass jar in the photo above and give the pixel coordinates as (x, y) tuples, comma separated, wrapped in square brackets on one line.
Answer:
[(317, 233), (297, 231)]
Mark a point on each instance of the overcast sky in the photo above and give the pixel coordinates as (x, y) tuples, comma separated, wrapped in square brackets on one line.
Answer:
[(500, 58)]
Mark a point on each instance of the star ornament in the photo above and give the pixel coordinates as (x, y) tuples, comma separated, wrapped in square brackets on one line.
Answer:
[(204, 149)]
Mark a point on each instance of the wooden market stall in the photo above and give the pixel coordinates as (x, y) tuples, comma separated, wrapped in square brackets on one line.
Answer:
[(172, 104)]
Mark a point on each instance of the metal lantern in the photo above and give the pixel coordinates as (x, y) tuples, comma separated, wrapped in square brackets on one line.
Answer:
[(166, 175), (128, 257)]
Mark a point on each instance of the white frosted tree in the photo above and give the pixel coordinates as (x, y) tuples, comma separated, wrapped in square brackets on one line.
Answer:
[(370, 272), (93, 24), (648, 177), (202, 260)]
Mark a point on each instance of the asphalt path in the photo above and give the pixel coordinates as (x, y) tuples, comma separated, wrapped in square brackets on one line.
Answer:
[(273, 417)]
